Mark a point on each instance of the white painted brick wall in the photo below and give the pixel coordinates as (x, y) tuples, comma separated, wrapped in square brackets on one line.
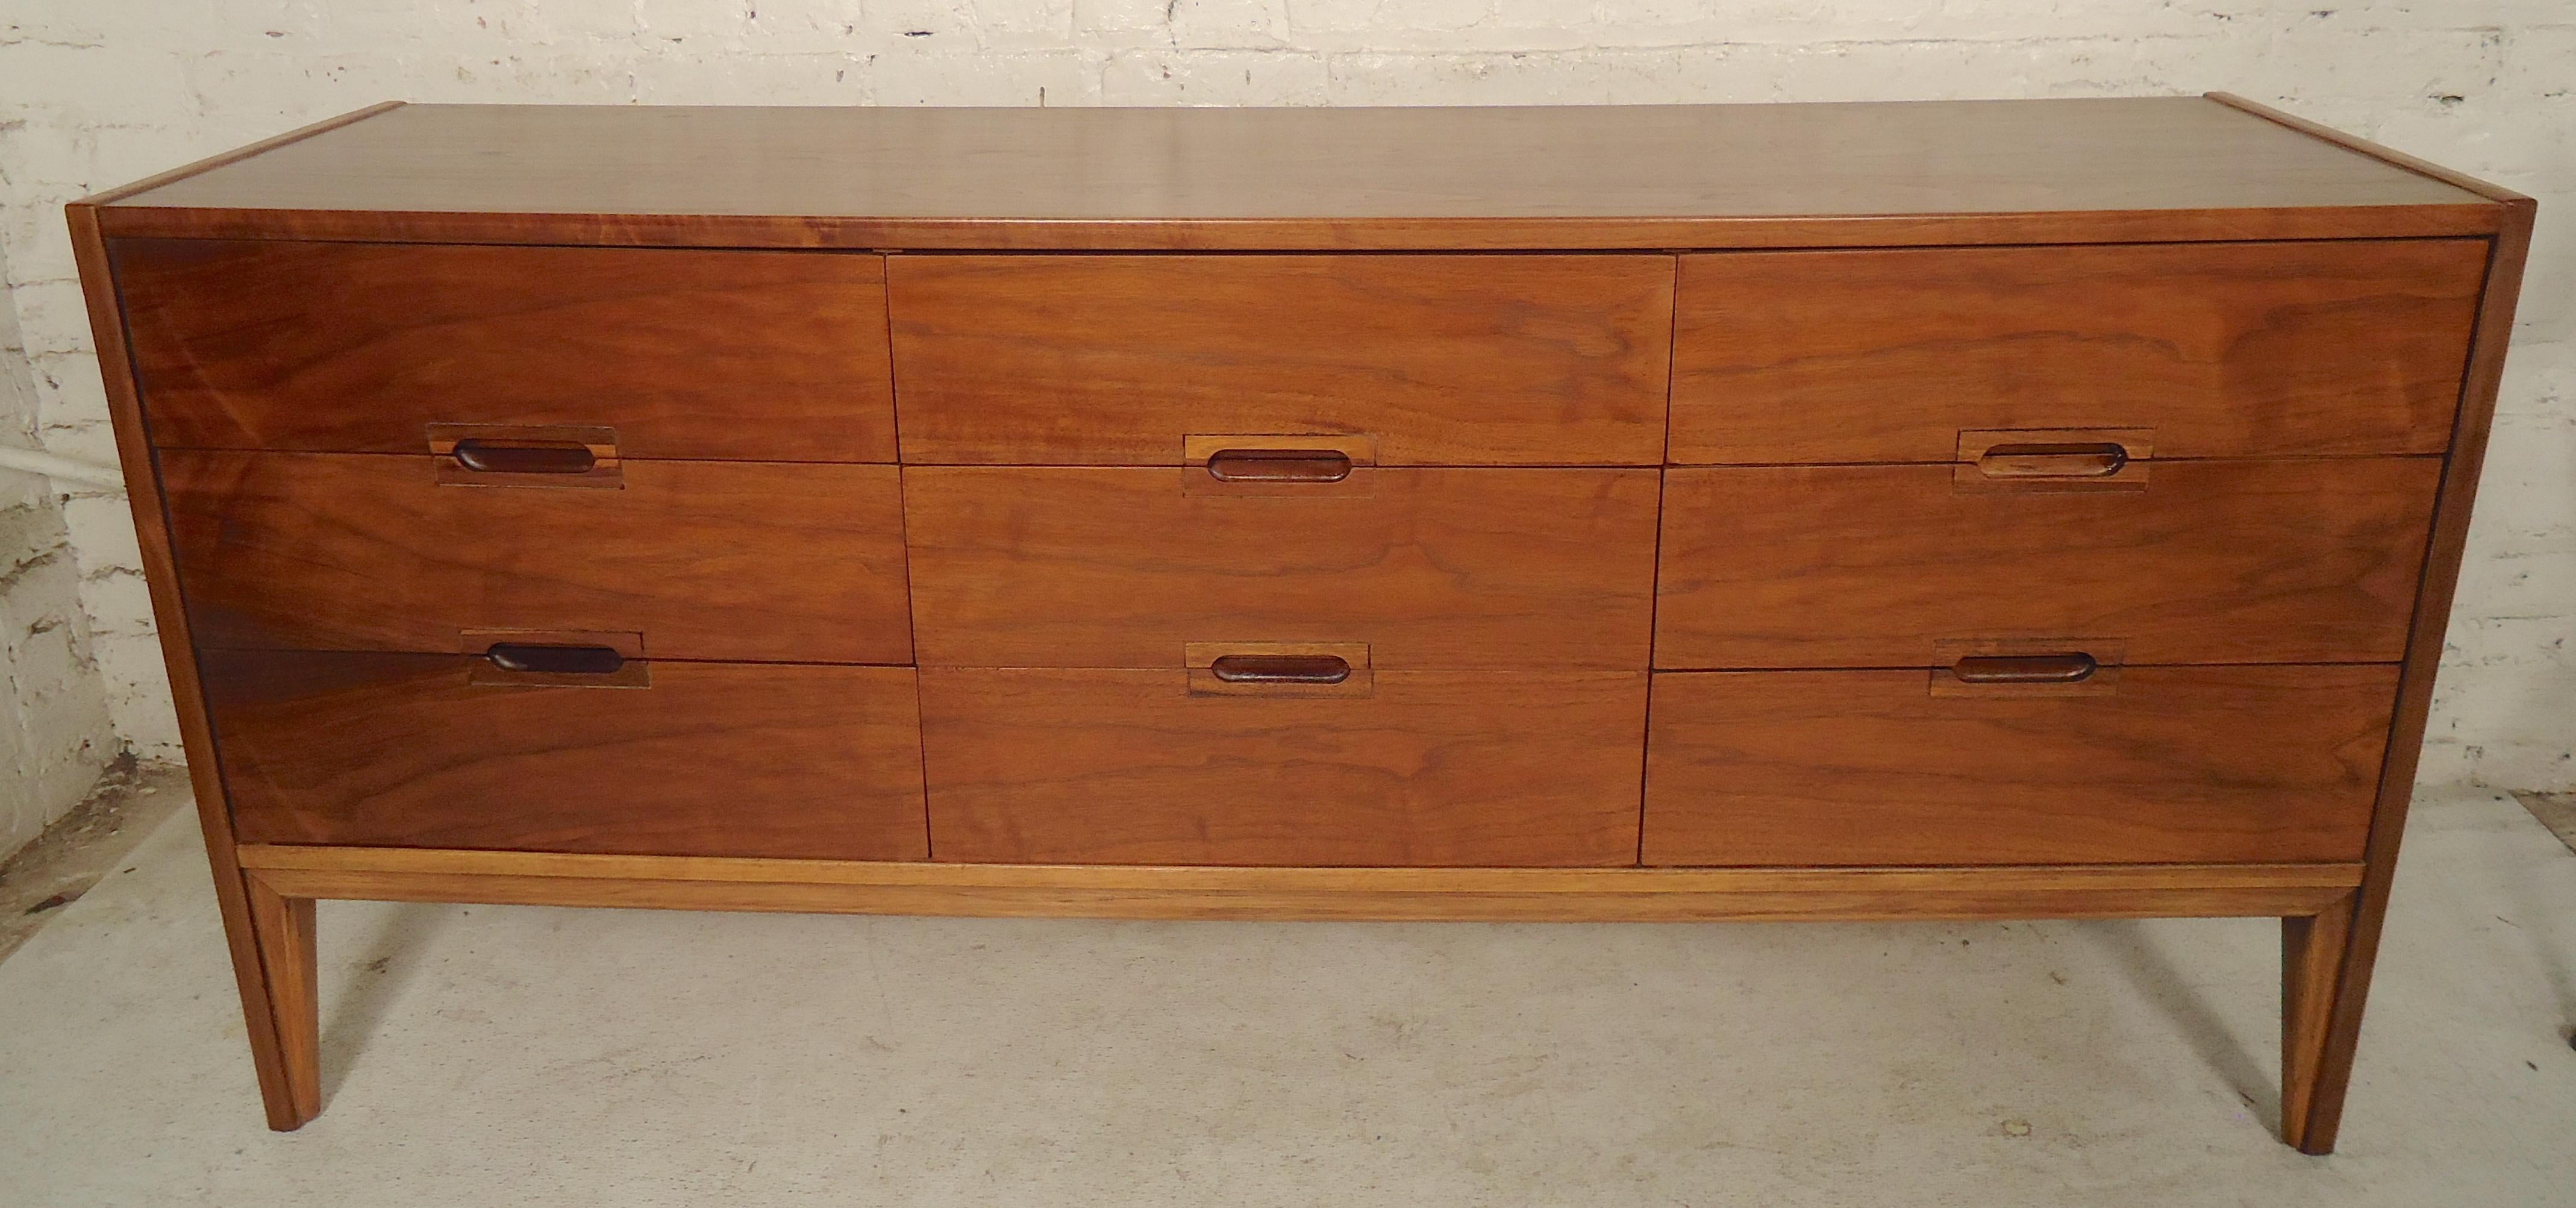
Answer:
[(101, 92), (55, 737)]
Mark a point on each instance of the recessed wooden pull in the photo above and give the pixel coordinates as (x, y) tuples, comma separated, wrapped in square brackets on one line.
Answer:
[(556, 660), (2090, 460), (2071, 668), (1281, 669), (490, 456), (1279, 465)]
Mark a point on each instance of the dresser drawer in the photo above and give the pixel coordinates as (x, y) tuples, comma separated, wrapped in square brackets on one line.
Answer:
[(1451, 569), (1438, 360), (706, 560), (355, 347), (2211, 562), (2171, 764), (707, 759), (2220, 349), (1425, 768)]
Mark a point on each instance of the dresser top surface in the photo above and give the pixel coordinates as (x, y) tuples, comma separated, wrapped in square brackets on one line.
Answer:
[(1327, 168)]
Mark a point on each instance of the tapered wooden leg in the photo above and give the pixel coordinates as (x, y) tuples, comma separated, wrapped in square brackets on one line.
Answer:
[(2313, 951), (282, 928)]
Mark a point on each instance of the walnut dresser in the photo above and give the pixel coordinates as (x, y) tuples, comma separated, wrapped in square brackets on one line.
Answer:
[(1955, 511)]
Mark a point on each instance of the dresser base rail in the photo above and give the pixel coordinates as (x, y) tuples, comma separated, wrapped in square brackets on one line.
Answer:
[(2314, 901), (1391, 894)]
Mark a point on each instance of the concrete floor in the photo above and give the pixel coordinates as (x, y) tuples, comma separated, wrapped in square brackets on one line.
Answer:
[(83, 847), (488, 1056)]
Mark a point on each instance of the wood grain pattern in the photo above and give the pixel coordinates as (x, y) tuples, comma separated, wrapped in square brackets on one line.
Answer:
[(2312, 957), (1454, 569), (1161, 892), (2424, 643), (278, 1094), (358, 348), (287, 951), (708, 560), (2234, 347), (1559, 234), (2382, 153), (2328, 959), (2079, 170), (2181, 765), (1445, 360), (2225, 350), (1869, 566), (95, 201), (1433, 769), (713, 759)]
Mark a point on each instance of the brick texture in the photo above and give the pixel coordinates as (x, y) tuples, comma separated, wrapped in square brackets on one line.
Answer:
[(96, 94), (55, 737)]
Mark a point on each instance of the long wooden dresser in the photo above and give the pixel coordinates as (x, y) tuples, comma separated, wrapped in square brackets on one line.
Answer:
[(1964, 510)]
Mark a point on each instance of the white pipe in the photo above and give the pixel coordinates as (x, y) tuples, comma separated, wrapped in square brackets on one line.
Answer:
[(62, 469)]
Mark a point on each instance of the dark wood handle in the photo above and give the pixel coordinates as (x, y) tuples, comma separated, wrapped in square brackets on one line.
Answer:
[(2070, 668), (525, 456), (1281, 668), (556, 660), (1279, 465), (2100, 460)]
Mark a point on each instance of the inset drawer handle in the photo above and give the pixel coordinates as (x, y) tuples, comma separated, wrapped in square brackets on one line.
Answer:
[(525, 456), (2072, 668), (1279, 465), (2054, 461), (1281, 668), (556, 660)]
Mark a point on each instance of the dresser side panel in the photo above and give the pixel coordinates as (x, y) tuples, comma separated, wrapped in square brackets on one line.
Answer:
[(107, 318)]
